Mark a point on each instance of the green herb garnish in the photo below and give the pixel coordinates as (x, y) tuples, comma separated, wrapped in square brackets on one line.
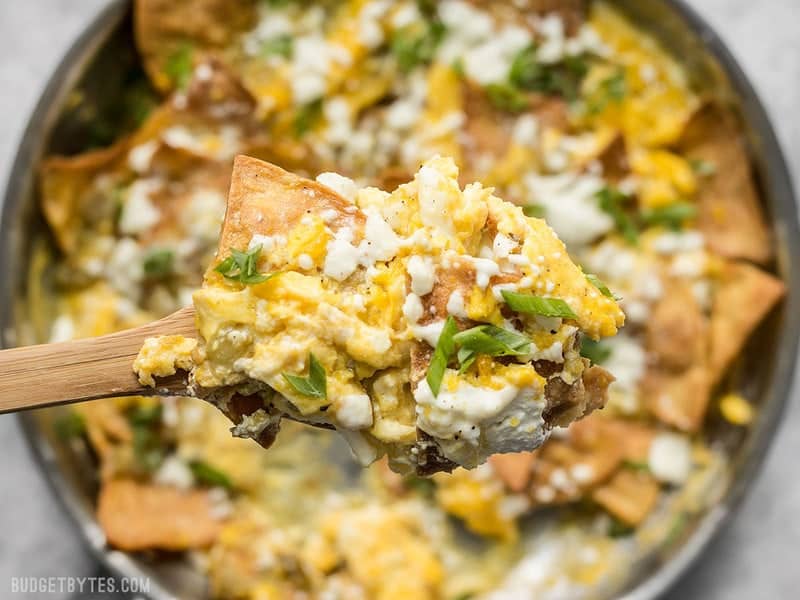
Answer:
[(315, 385), (280, 45), (611, 90), (179, 66), (445, 348), (677, 528), (69, 425), (488, 340), (534, 210), (159, 264), (618, 529), (635, 465), (205, 474), (597, 352), (243, 267), (672, 216), (703, 168), (307, 117), (537, 305), (611, 202), (421, 485), (598, 283), (145, 415), (416, 45), (505, 96), (563, 79)]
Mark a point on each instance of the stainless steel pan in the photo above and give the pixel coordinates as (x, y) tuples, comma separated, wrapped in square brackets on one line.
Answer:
[(95, 68)]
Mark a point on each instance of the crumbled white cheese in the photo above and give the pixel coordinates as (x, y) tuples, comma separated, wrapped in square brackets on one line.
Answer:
[(140, 157), (428, 333), (354, 411), (552, 49), (342, 257), (570, 204), (380, 242), (670, 458), (490, 61), (62, 329), (304, 261), (673, 242), (174, 472), (204, 213), (423, 274), (526, 131), (412, 308), (455, 305), (433, 200), (344, 186), (139, 213), (485, 269)]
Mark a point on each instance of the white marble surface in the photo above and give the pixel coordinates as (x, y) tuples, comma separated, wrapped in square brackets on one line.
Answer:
[(757, 555)]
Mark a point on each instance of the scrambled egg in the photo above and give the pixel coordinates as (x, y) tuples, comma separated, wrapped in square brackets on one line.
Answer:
[(363, 286)]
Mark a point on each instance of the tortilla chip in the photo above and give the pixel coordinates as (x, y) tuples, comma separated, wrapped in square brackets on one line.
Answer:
[(629, 496), (729, 213), (744, 296), (266, 200), (514, 470), (139, 516), (165, 29), (677, 330), (679, 399), (64, 183)]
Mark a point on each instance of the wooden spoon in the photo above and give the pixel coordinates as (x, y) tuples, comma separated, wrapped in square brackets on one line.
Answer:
[(87, 369)]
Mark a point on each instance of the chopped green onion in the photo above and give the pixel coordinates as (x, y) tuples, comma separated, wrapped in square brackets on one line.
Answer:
[(278, 46), (445, 348), (563, 79), (205, 474), (489, 340), (179, 66), (416, 45), (598, 283), (635, 465), (618, 529), (145, 415), (307, 117), (537, 305), (534, 210), (494, 341), (243, 267), (701, 167), (159, 263), (597, 352), (611, 200), (506, 97), (315, 385), (70, 425), (610, 90), (421, 485), (677, 528), (672, 216)]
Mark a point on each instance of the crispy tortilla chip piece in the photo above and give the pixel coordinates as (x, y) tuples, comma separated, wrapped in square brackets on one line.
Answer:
[(571, 12), (679, 399), (514, 470), (614, 159), (266, 200), (138, 516), (744, 296), (629, 495), (64, 182), (677, 330), (166, 28), (729, 215)]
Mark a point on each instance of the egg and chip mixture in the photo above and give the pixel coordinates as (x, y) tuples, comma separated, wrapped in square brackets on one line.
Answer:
[(386, 315), (565, 108)]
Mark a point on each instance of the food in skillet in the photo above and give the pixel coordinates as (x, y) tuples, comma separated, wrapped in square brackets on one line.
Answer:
[(584, 119), (434, 324)]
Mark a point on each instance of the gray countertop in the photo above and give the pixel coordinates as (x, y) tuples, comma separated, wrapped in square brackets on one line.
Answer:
[(755, 557)]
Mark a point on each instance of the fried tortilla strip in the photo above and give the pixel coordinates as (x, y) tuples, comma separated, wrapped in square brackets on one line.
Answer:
[(514, 470), (679, 398), (65, 181), (629, 496), (744, 296), (137, 516), (173, 30), (677, 330), (730, 215)]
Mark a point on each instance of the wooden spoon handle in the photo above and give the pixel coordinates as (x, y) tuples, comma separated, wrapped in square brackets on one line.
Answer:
[(87, 369)]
